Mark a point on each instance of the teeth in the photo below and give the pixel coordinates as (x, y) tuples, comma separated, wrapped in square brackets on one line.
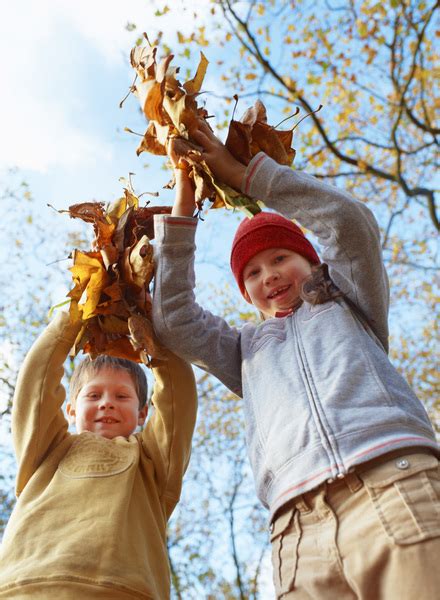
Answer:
[(279, 291)]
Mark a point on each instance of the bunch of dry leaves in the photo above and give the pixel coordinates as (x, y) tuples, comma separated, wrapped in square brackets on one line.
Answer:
[(111, 296), (172, 112)]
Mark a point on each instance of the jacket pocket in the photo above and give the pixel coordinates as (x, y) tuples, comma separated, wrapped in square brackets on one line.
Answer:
[(405, 493), (285, 537)]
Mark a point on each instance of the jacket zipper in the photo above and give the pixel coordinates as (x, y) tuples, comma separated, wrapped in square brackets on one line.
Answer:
[(313, 403)]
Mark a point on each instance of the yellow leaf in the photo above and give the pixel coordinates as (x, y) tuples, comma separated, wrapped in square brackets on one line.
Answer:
[(362, 28), (193, 86), (90, 276)]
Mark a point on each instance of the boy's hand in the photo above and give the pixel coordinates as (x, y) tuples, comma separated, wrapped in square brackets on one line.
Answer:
[(184, 203), (218, 158)]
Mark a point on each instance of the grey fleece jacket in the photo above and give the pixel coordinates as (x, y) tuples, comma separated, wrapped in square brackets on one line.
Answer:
[(320, 394)]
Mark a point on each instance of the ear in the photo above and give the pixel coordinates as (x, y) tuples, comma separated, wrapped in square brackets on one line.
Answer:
[(142, 415), (247, 297), (71, 413)]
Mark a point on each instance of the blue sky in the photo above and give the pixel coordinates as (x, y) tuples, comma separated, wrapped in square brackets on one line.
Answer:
[(65, 68)]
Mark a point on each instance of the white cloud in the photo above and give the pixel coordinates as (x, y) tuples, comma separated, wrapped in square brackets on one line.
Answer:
[(37, 129), (44, 138), (103, 23), (49, 77)]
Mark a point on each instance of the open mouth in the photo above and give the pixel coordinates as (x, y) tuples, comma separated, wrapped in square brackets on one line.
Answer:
[(107, 420), (278, 291)]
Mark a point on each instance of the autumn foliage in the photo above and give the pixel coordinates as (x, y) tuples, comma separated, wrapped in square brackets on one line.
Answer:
[(110, 296), (172, 111)]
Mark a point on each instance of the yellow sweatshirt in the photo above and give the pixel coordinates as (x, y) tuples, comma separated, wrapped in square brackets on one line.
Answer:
[(91, 515)]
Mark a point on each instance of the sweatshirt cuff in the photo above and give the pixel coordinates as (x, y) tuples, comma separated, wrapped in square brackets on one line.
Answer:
[(259, 169), (174, 230)]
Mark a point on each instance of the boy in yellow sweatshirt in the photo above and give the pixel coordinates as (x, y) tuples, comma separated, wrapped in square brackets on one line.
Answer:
[(92, 509)]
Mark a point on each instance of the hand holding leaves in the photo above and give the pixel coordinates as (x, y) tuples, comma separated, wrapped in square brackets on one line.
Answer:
[(225, 167), (172, 112)]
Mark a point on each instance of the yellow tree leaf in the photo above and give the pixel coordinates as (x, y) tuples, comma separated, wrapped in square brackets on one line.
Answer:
[(194, 85)]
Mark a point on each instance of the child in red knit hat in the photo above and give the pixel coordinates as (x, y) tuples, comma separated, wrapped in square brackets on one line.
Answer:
[(343, 453), (266, 231)]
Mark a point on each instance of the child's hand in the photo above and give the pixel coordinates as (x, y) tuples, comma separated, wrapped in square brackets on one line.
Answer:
[(184, 203), (218, 158), (177, 160)]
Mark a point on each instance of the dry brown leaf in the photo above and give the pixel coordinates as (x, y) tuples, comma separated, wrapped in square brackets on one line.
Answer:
[(265, 139), (109, 255), (172, 111), (238, 141), (111, 283), (153, 104), (255, 113), (252, 134)]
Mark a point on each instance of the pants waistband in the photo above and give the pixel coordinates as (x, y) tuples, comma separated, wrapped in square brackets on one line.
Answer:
[(351, 479)]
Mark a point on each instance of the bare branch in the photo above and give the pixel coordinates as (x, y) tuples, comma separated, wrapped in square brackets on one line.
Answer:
[(242, 32), (394, 214)]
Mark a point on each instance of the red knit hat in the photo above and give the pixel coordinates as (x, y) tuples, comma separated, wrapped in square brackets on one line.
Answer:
[(267, 230)]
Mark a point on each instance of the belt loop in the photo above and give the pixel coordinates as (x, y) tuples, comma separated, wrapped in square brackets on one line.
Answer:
[(353, 481), (301, 504)]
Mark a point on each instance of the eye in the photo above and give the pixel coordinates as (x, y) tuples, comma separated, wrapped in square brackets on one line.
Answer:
[(252, 273), (92, 395), (279, 258)]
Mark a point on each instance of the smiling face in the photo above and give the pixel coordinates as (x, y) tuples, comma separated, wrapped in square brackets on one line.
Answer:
[(107, 404), (272, 279)]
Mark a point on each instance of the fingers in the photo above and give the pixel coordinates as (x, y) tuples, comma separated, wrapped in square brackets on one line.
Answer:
[(200, 138), (176, 157), (205, 128)]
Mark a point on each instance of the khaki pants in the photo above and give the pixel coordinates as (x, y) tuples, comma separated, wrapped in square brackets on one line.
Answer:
[(373, 535)]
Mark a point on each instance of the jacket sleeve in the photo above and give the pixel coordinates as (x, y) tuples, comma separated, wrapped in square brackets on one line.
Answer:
[(346, 230), (168, 434), (38, 421), (181, 324)]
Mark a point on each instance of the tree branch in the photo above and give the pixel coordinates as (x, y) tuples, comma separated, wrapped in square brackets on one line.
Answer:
[(242, 28)]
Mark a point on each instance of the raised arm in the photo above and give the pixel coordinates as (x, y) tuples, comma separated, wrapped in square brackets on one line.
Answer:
[(182, 325), (38, 422), (168, 434), (346, 229)]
